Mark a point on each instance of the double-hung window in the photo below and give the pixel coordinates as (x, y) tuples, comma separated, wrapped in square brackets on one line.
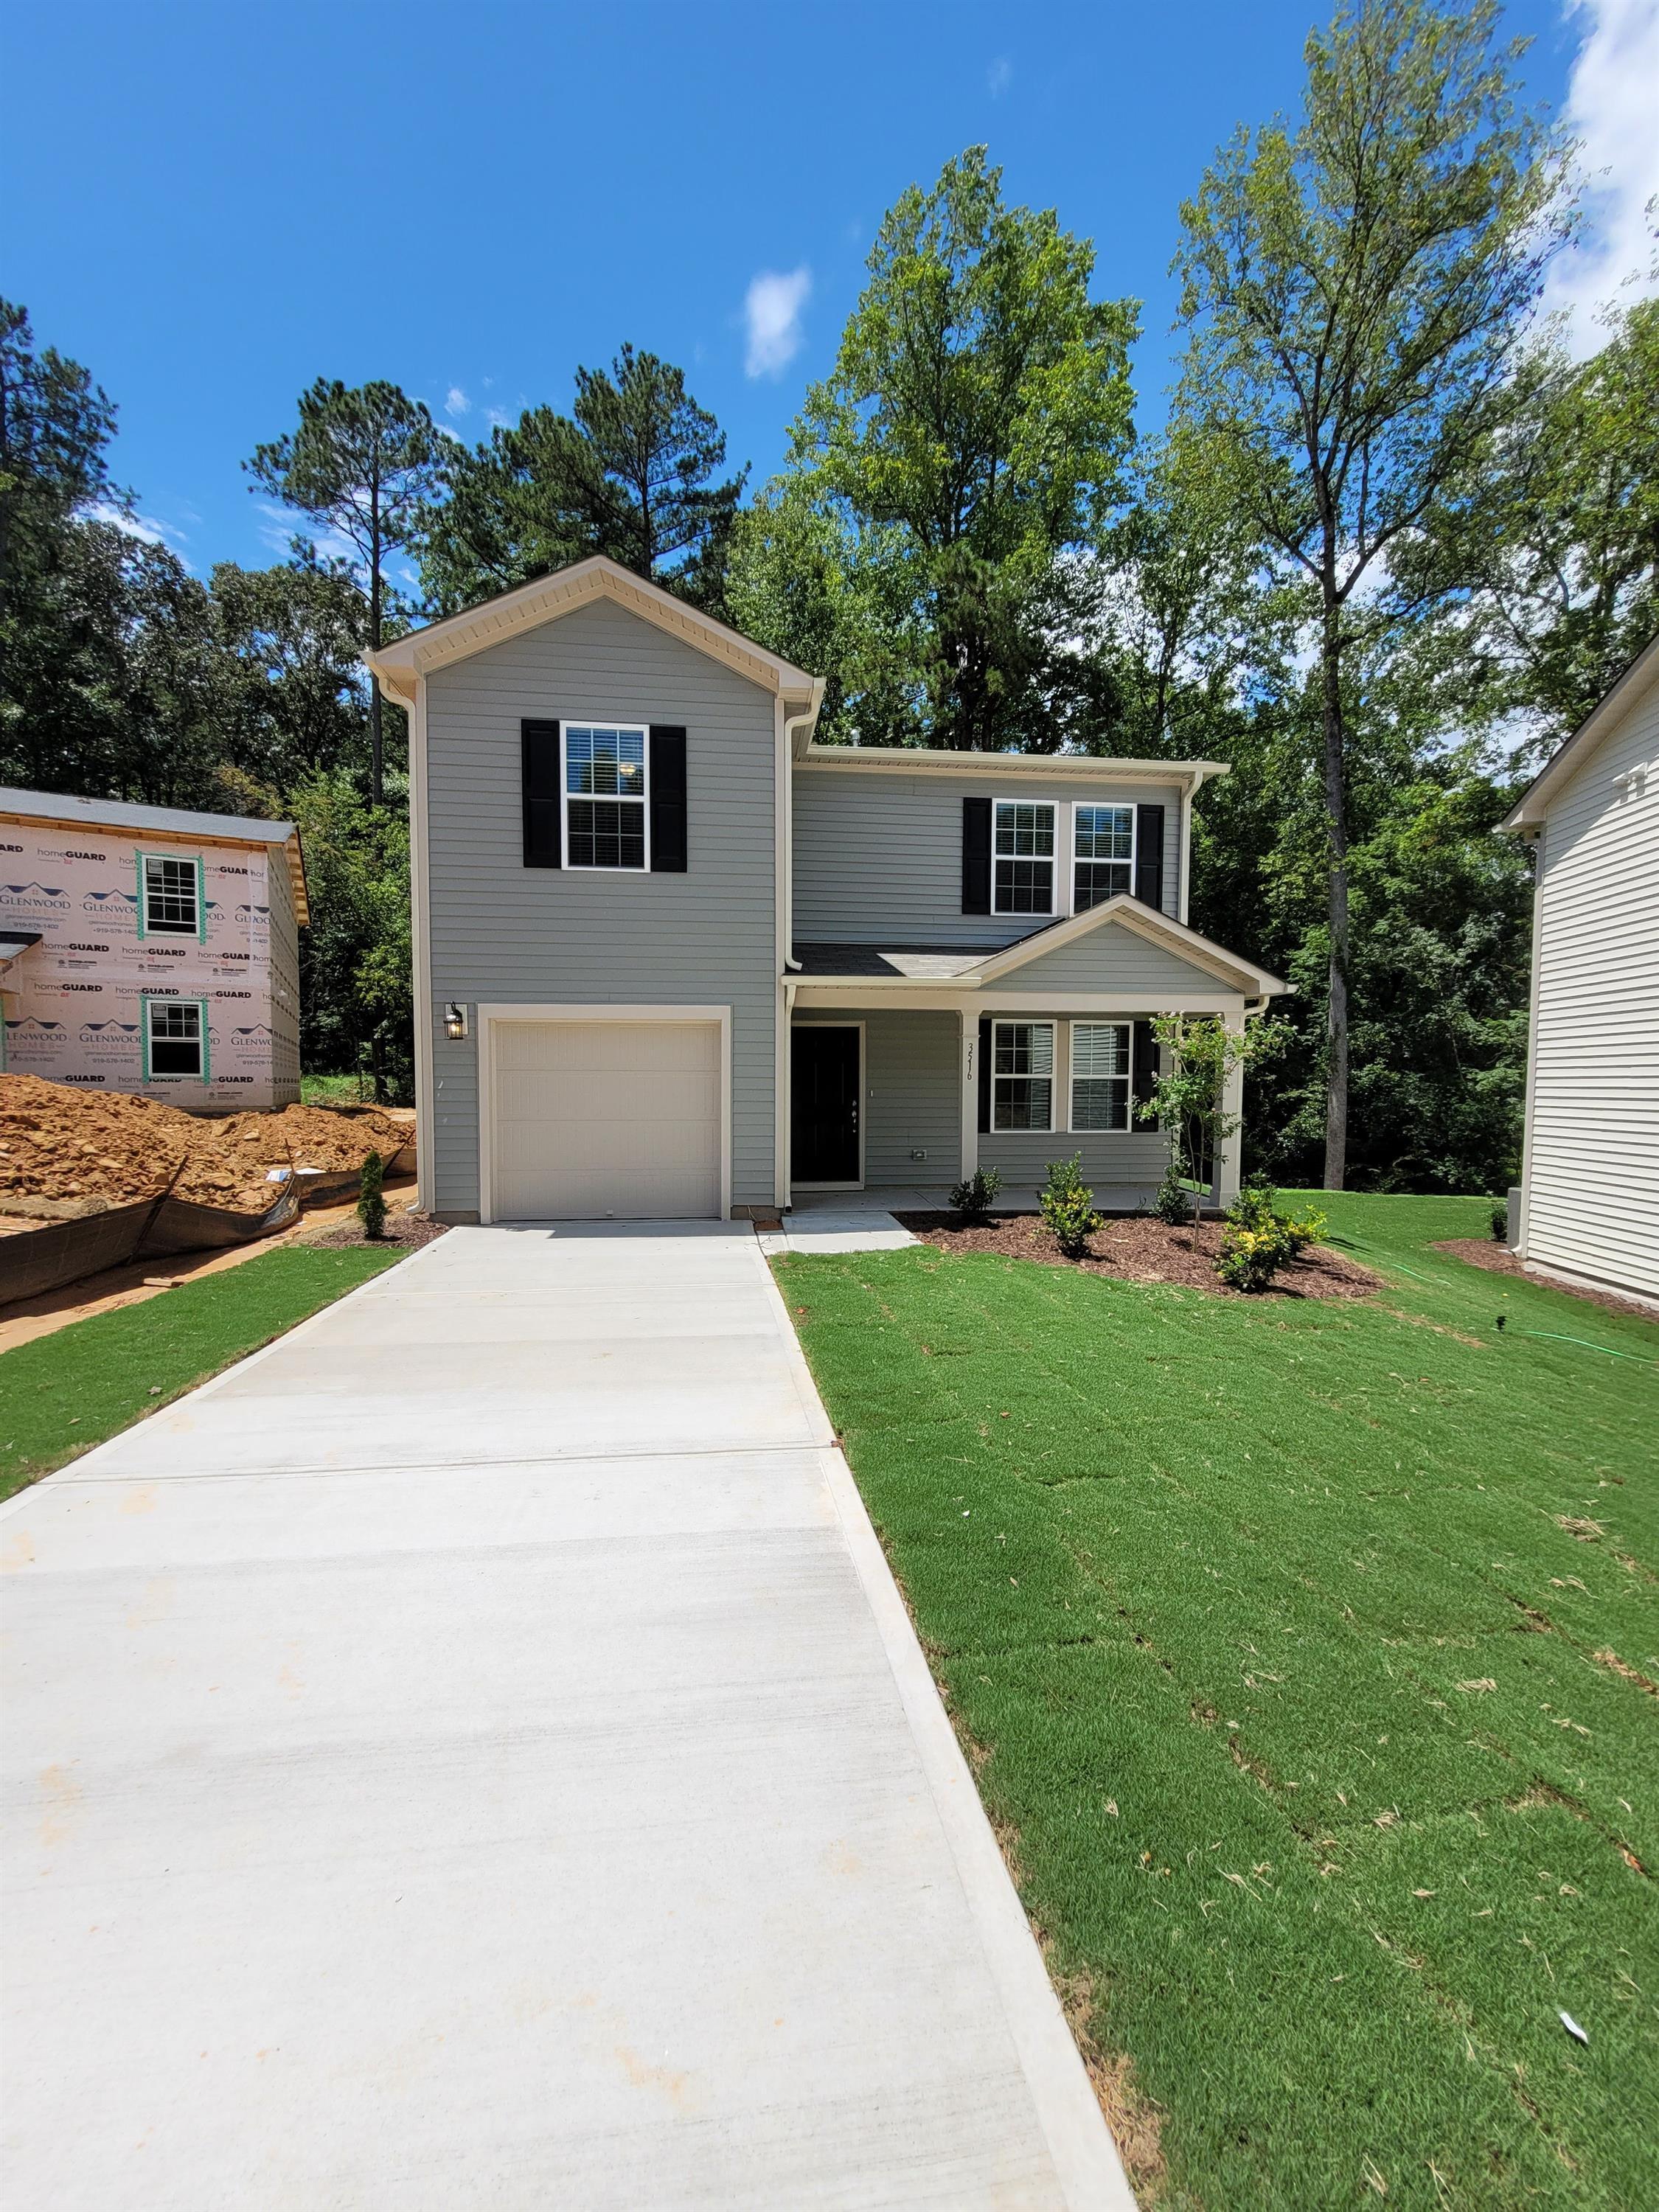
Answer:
[(1102, 854), (605, 785), (171, 893), (1100, 1075), (1023, 857), (175, 1039), (1022, 1075)]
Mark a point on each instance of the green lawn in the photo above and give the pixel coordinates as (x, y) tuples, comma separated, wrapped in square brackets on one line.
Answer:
[(1308, 1656), (65, 1393)]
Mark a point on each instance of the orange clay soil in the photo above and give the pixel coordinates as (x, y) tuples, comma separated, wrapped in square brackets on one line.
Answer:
[(81, 1150)]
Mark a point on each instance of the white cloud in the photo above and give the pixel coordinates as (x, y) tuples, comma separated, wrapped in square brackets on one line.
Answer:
[(999, 76), (282, 525), (457, 402), (499, 417), (1611, 107), (772, 312), (148, 529)]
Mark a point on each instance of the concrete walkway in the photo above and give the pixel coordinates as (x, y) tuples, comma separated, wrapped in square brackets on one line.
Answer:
[(472, 1754)]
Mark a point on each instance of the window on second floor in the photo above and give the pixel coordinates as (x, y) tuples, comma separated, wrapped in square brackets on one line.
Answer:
[(1102, 854), (171, 893), (604, 783), (1023, 857)]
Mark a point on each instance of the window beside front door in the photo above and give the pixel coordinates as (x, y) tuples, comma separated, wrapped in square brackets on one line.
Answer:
[(1102, 854), (1023, 857), (605, 796), (1100, 1075), (1022, 1075)]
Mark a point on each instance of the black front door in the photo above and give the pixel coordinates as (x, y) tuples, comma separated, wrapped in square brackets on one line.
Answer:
[(824, 1121)]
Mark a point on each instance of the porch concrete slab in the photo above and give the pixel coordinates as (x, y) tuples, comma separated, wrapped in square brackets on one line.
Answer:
[(565, 1816)]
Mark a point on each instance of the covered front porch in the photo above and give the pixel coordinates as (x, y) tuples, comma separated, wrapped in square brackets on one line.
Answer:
[(901, 1101)]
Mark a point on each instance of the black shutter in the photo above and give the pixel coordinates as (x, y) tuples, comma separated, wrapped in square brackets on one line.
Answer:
[(542, 797), (976, 856), (984, 1069), (667, 800), (1143, 1064), (1149, 854)]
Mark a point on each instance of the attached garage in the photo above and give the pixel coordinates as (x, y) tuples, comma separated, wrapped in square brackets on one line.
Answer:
[(600, 1112)]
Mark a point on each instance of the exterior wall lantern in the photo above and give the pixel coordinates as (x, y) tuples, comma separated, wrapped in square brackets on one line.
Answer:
[(454, 1022)]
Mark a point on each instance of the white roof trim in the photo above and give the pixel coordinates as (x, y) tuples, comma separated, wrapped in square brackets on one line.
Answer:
[(1064, 768), (399, 666), (1134, 914), (1565, 763)]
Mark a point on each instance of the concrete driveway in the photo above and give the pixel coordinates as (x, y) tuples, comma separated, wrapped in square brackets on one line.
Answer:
[(472, 1754)]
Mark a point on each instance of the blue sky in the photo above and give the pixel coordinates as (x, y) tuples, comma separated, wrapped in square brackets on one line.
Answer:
[(211, 204)]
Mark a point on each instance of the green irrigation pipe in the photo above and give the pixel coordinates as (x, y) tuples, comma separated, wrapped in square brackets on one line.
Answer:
[(1550, 1335)]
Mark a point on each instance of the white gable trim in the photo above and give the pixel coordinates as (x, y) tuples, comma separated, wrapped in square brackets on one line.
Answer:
[(1535, 801), (398, 667), (1134, 914)]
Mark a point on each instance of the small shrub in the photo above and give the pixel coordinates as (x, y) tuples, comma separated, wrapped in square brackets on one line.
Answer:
[(977, 1195), (371, 1202), (1257, 1239), (1500, 1225), (1067, 1205), (1172, 1205), (1250, 1258), (1306, 1228)]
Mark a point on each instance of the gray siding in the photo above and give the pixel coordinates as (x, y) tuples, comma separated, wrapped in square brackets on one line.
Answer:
[(1109, 959), (878, 856), (912, 1094), (1124, 1167), (539, 936)]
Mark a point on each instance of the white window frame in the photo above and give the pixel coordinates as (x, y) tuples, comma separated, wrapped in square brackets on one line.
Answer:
[(1127, 1079), (147, 928), (1025, 1022), (203, 1073), (566, 795), (1078, 807), (1055, 812)]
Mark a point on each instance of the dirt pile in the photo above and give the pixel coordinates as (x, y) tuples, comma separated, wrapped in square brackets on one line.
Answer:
[(60, 1143)]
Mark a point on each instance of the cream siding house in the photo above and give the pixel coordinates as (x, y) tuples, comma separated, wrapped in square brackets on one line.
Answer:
[(1589, 1203)]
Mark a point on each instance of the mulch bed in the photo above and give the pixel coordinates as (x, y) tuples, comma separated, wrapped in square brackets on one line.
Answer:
[(1499, 1259), (408, 1231), (1138, 1249)]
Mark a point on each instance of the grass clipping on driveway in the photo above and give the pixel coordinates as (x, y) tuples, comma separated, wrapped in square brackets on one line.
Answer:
[(65, 1393), (1308, 1655)]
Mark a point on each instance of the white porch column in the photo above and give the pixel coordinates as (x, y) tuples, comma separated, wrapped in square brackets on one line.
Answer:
[(967, 1057), (1232, 1105)]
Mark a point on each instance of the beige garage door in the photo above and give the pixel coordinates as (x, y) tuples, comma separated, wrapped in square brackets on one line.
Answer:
[(595, 1119)]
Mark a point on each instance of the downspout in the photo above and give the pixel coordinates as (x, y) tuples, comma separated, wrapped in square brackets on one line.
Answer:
[(788, 965)]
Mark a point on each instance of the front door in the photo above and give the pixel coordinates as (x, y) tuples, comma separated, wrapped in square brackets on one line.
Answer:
[(823, 1117)]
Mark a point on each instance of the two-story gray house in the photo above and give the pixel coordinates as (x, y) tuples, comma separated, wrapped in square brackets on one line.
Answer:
[(673, 958)]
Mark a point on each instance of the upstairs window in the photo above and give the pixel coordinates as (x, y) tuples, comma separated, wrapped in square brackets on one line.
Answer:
[(1022, 858), (604, 783), (1100, 1075), (1102, 854), (170, 897), (175, 1039), (1022, 1075)]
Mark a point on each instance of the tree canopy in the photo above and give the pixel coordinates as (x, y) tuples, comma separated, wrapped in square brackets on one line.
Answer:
[(632, 472), (974, 428)]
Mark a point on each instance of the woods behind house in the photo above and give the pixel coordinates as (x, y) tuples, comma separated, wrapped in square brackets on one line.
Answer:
[(1391, 543)]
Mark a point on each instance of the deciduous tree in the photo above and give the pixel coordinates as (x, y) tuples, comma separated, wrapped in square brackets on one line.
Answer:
[(1355, 286)]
